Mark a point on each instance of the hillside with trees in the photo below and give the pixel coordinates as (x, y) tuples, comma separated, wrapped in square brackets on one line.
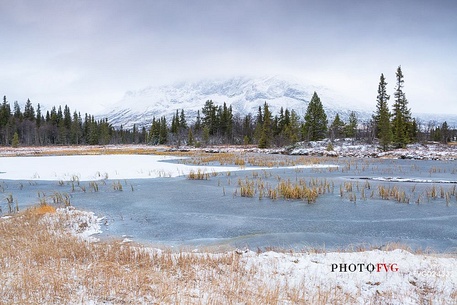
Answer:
[(217, 124)]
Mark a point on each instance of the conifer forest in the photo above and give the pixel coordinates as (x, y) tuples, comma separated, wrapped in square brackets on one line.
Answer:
[(216, 124)]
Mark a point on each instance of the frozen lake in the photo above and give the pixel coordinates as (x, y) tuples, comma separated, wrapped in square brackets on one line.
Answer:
[(176, 211)]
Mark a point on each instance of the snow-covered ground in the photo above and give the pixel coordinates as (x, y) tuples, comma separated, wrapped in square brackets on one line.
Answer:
[(350, 148), (405, 276), (82, 224), (393, 277), (353, 149)]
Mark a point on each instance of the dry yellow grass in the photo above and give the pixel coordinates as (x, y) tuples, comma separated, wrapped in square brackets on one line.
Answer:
[(198, 175), (285, 189), (43, 209), (49, 266), (80, 150)]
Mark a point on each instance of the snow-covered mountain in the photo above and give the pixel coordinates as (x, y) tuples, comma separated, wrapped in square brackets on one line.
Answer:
[(244, 94)]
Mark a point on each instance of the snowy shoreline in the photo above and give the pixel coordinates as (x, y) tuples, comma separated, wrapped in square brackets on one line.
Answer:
[(396, 276), (341, 148), (392, 276)]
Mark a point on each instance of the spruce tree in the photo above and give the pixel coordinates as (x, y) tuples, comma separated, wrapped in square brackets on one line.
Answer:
[(182, 120), (337, 127), (198, 122), (175, 123), (38, 116), (350, 130), (382, 115), (401, 121), (266, 133), (315, 127), (5, 112), (206, 133), (190, 137), (258, 124), (293, 126), (163, 133), (75, 129), (17, 111), (247, 129), (444, 133), (209, 117), (104, 133), (67, 117), (154, 132), (29, 112)]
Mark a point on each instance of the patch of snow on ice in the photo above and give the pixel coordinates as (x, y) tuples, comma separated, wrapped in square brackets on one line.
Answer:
[(99, 167)]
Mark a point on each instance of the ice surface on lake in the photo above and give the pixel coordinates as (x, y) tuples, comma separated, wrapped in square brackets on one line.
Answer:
[(176, 211)]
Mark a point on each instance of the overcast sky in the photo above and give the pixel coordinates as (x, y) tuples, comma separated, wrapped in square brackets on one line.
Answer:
[(89, 53)]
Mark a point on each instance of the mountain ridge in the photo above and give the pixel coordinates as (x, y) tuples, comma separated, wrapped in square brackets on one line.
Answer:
[(244, 94)]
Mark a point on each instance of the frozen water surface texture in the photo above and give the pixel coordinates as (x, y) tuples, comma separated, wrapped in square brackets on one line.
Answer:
[(360, 202)]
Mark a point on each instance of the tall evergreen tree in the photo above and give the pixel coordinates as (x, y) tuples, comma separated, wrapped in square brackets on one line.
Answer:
[(266, 132), (401, 121), (182, 120), (247, 129), (293, 127), (39, 119), (209, 117), (445, 133), (163, 133), (17, 111), (175, 123), (258, 124), (5, 112), (198, 122), (315, 127), (190, 137), (382, 115), (226, 120), (76, 129), (154, 132), (350, 130), (104, 132), (29, 112), (337, 127)]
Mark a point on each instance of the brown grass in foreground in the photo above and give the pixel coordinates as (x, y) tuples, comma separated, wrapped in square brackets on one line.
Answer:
[(40, 266)]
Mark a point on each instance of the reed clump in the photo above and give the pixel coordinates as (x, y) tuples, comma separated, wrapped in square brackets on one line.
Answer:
[(198, 175), (13, 206), (61, 198), (247, 188), (93, 185), (284, 189), (393, 193), (117, 186), (289, 190)]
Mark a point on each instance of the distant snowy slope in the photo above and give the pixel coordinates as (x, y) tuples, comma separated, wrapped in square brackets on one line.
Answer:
[(244, 94)]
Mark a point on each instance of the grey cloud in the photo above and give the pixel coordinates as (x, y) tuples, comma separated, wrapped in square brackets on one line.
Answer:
[(94, 51)]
